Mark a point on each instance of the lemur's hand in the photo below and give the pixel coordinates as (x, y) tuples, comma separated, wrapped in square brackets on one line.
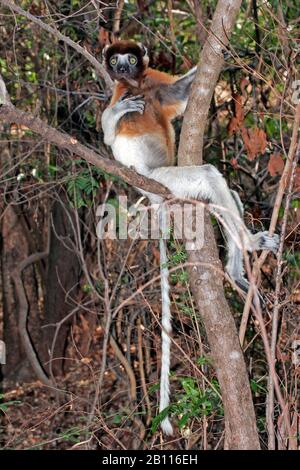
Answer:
[(130, 104)]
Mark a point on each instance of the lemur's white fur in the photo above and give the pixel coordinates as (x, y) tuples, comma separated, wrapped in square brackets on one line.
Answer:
[(147, 154), (164, 401)]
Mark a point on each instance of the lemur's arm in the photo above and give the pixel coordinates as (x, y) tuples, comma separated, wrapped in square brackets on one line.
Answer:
[(113, 114), (176, 94)]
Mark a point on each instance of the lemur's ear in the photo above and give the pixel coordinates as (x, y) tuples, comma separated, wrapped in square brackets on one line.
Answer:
[(143, 48), (104, 50)]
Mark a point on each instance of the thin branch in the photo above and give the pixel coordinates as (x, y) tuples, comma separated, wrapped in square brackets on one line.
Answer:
[(97, 65), (275, 214), (275, 319), (142, 371), (117, 17), (127, 367), (9, 114)]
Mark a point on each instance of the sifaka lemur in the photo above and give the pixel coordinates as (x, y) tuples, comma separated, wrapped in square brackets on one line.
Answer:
[(137, 125)]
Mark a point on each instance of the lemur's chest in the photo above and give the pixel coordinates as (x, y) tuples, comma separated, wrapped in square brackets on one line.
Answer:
[(151, 121), (145, 141)]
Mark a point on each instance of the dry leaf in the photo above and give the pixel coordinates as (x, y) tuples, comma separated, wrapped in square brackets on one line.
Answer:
[(295, 296), (255, 141), (243, 84), (234, 163), (238, 118), (86, 360), (276, 164)]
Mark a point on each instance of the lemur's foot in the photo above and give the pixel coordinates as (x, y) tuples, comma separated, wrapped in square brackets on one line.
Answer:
[(263, 241), (268, 242), (244, 285)]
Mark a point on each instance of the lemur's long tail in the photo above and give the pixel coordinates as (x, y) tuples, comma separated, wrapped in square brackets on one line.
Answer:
[(166, 426)]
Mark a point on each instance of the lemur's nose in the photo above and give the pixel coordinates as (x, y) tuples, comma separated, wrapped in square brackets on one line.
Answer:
[(122, 69)]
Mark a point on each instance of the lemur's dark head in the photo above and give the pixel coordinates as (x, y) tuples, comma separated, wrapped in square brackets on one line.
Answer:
[(125, 60)]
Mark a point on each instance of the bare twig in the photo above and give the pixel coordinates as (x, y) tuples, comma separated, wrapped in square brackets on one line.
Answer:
[(142, 371), (275, 214), (275, 320), (127, 367), (98, 67), (117, 17), (258, 314)]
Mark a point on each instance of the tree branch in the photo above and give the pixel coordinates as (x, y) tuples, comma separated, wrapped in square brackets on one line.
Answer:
[(97, 65), (10, 114)]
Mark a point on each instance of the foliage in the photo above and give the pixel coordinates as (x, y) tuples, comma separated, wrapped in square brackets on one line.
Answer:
[(194, 403), (4, 407)]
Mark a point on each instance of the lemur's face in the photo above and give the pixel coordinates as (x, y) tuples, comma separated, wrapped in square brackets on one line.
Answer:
[(125, 60), (124, 65)]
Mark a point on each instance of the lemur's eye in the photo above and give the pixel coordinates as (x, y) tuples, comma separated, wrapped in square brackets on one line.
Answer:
[(132, 60), (113, 61)]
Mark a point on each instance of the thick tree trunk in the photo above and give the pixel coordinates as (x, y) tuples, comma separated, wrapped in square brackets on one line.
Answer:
[(61, 282), (227, 357), (207, 283), (14, 250)]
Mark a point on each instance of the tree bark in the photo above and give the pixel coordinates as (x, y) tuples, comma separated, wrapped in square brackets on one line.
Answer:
[(61, 282), (207, 283), (227, 357), (14, 250)]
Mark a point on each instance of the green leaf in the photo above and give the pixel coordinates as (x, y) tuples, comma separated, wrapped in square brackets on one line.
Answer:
[(182, 422)]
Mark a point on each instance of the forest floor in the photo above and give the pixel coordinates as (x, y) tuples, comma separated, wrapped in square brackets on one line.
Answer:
[(35, 417)]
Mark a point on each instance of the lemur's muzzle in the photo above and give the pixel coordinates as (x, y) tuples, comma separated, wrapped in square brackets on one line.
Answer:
[(123, 69)]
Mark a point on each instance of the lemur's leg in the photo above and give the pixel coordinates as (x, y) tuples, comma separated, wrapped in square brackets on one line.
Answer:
[(206, 183), (238, 202), (260, 240), (113, 114)]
